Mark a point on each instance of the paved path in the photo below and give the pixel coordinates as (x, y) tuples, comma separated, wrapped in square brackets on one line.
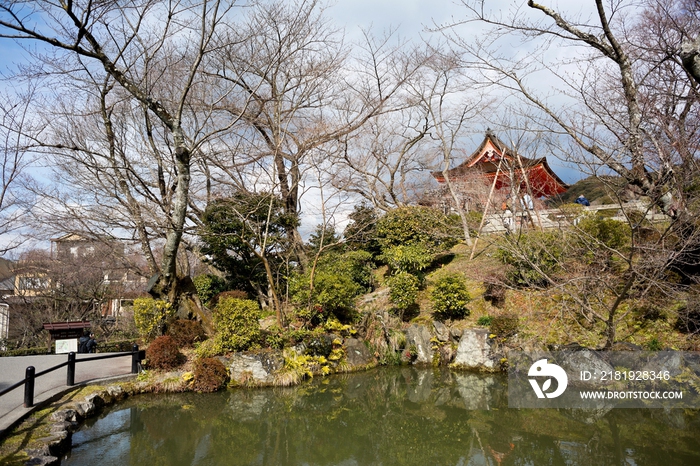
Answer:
[(12, 370)]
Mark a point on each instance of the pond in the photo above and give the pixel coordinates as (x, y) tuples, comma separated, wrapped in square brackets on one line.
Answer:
[(387, 416)]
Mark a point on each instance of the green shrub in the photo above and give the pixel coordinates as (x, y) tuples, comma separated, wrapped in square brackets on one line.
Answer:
[(610, 233), (237, 324), (150, 316), (417, 225), (504, 325), (484, 321), (273, 337), (210, 375), (403, 290), (450, 297), (164, 354), (532, 256), (332, 293), (208, 286), (186, 332), (411, 258)]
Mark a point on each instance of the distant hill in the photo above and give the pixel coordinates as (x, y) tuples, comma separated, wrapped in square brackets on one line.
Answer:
[(596, 189)]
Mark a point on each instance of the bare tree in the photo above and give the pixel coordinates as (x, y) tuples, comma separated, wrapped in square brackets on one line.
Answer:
[(14, 159), (305, 91), (448, 100), (154, 53), (383, 161), (601, 106)]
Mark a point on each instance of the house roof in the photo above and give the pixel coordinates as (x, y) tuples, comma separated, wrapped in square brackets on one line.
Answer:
[(66, 325), (489, 158)]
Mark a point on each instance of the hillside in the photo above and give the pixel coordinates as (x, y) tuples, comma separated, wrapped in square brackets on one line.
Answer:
[(596, 189)]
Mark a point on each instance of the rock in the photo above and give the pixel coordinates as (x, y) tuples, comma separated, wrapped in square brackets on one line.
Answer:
[(43, 461), (447, 354), (475, 351), (85, 409), (96, 399), (58, 442), (116, 392), (441, 331), (65, 415), (321, 345), (418, 336), (575, 361), (456, 333), (62, 426), (357, 354), (665, 361), (256, 368)]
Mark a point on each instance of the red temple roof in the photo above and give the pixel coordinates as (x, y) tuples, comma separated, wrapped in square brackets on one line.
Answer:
[(493, 156)]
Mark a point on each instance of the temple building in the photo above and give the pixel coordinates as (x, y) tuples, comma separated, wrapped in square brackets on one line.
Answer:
[(515, 176)]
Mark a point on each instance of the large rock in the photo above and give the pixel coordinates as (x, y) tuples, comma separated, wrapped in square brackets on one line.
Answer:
[(418, 337), (665, 361), (476, 352), (357, 354), (255, 368), (441, 331), (573, 362)]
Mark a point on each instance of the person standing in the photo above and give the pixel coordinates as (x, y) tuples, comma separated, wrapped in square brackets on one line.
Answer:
[(91, 344), (582, 200), (83, 341)]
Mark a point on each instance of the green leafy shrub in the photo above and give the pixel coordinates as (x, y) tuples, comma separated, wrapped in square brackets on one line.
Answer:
[(532, 256), (403, 291), (150, 316), (504, 325), (186, 332), (417, 225), (610, 233), (237, 324), (164, 354), (208, 286), (411, 258), (338, 280), (273, 337), (210, 375), (450, 297), (484, 321)]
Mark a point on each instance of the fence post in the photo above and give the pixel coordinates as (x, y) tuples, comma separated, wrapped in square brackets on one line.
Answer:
[(70, 379), (29, 387), (135, 359)]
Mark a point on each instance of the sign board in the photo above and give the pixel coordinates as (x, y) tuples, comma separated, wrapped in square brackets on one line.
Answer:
[(66, 346)]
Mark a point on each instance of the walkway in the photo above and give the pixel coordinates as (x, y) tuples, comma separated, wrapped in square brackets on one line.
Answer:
[(12, 370), (555, 219)]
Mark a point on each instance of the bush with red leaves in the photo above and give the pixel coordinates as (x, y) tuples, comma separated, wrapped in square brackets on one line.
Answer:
[(210, 375), (164, 353), (186, 332)]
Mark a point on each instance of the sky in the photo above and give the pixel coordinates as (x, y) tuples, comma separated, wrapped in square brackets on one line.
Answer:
[(410, 18)]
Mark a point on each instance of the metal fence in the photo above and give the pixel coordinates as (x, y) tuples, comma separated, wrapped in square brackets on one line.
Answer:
[(31, 374)]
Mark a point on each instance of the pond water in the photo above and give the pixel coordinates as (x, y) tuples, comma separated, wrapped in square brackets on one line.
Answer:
[(387, 416)]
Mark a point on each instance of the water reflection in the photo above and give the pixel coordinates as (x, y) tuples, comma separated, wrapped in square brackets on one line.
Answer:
[(394, 416)]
